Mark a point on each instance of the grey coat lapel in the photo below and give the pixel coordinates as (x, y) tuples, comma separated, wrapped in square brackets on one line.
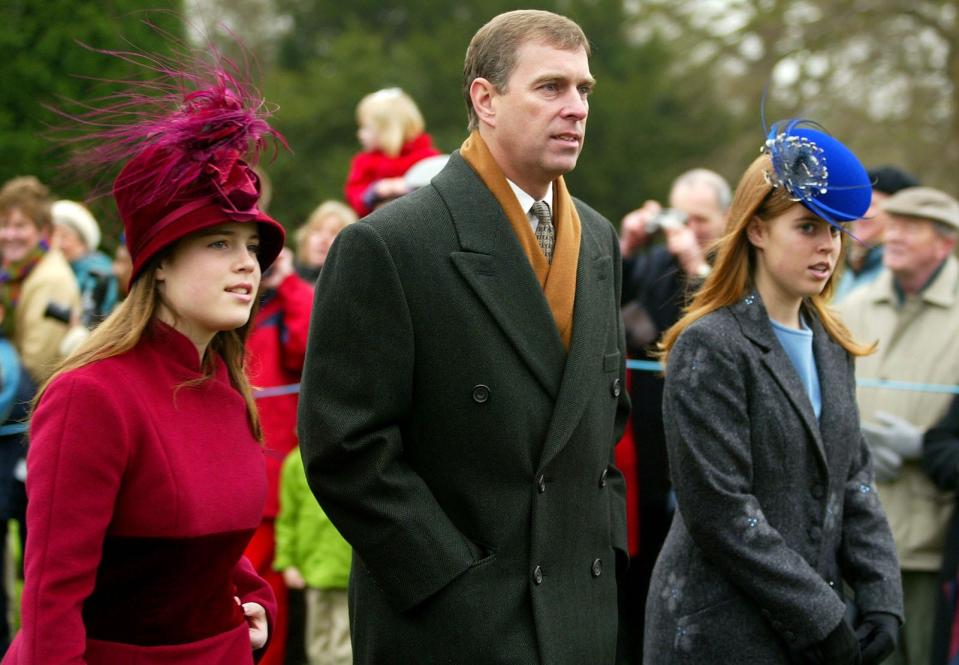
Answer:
[(833, 364), (754, 321), (590, 317), (493, 264)]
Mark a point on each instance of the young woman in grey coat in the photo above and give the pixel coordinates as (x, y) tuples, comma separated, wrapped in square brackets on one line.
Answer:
[(776, 502)]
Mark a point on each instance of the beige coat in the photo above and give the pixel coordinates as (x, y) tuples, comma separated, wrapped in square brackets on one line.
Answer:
[(917, 343), (36, 337)]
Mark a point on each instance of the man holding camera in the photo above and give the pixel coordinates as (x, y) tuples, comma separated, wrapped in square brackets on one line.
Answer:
[(656, 284)]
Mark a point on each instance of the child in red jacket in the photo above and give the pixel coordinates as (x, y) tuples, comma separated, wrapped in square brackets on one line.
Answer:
[(393, 136)]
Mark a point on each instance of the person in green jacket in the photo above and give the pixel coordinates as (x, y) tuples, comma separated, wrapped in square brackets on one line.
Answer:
[(312, 555)]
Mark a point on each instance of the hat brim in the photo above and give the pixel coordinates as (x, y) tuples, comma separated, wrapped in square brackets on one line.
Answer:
[(272, 235)]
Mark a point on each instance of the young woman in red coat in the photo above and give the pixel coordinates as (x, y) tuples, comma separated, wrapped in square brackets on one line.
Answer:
[(145, 475), (393, 136)]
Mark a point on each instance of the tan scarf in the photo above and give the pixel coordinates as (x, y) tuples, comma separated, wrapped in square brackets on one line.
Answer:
[(558, 280)]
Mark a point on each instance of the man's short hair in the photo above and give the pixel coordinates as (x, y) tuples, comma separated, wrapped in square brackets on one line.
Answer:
[(491, 53), (707, 178)]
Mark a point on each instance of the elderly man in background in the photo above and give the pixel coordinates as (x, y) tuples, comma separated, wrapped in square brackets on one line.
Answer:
[(864, 258), (912, 310)]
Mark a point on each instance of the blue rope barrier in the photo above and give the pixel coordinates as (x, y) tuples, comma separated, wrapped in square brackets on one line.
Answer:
[(654, 366)]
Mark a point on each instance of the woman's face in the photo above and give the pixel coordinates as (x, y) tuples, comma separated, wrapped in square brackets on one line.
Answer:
[(209, 282), (796, 252), (318, 241), (19, 236)]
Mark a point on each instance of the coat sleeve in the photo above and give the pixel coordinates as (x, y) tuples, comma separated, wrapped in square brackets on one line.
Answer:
[(356, 396), (358, 180), (288, 516), (868, 553), (39, 336), (940, 450), (616, 481), (75, 467), (296, 298), (251, 588), (708, 439)]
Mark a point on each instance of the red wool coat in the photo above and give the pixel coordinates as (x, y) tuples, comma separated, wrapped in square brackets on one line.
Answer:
[(142, 494), (275, 349), (368, 167)]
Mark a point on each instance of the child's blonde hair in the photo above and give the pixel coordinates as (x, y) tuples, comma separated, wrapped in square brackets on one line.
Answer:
[(393, 116)]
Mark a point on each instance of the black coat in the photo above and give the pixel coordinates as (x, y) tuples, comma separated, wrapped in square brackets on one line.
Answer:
[(775, 507), (454, 443), (940, 459)]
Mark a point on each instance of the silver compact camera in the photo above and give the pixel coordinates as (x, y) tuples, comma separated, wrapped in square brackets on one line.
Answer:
[(667, 218)]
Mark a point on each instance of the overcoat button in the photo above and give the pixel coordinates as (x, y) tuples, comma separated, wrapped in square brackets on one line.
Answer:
[(818, 491), (616, 388), (480, 393), (815, 533), (541, 484), (537, 575), (790, 636), (602, 478), (778, 625), (597, 568)]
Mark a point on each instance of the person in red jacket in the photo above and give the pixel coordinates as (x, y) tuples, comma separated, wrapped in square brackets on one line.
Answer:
[(275, 352), (145, 474), (393, 136)]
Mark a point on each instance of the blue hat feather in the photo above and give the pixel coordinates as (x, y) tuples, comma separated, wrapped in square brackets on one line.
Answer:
[(818, 171)]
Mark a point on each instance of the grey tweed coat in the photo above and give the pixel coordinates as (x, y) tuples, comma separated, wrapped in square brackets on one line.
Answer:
[(775, 509), (463, 453)]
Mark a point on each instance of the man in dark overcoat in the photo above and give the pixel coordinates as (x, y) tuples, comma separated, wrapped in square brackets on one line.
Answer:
[(464, 384)]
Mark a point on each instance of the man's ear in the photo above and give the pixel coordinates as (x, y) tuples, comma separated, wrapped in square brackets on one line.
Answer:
[(755, 231), (482, 94)]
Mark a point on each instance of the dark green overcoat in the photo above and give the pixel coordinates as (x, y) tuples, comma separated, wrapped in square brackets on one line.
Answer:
[(457, 446)]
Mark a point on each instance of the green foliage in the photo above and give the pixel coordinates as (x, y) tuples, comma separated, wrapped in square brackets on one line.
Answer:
[(44, 65)]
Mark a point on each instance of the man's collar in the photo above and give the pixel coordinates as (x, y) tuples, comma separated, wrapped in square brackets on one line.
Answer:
[(526, 201)]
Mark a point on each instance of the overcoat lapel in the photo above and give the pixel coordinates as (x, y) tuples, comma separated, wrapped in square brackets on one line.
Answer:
[(496, 269), (754, 321), (591, 315), (833, 364)]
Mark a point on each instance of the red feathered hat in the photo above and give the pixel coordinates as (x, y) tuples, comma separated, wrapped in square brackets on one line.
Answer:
[(189, 174), (188, 138)]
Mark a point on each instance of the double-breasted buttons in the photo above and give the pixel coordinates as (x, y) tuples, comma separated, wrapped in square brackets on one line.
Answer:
[(597, 568), (480, 393), (537, 575), (817, 491), (616, 387), (602, 478), (541, 484)]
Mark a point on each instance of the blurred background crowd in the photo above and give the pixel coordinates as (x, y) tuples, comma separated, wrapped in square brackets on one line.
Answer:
[(366, 98)]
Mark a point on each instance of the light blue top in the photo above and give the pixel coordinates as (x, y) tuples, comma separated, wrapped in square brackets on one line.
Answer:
[(798, 346)]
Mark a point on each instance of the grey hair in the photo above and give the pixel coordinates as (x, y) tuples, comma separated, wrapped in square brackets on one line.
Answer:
[(705, 177)]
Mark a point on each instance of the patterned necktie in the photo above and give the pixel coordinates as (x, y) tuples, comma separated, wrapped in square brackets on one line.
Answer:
[(544, 229)]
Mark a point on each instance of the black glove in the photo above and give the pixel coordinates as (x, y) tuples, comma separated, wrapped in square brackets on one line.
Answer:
[(840, 647), (878, 634)]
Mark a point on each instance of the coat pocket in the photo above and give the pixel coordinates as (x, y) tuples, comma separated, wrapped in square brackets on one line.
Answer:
[(731, 631), (612, 362)]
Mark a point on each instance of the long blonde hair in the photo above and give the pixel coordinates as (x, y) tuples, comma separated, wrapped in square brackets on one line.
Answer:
[(122, 330), (732, 276)]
